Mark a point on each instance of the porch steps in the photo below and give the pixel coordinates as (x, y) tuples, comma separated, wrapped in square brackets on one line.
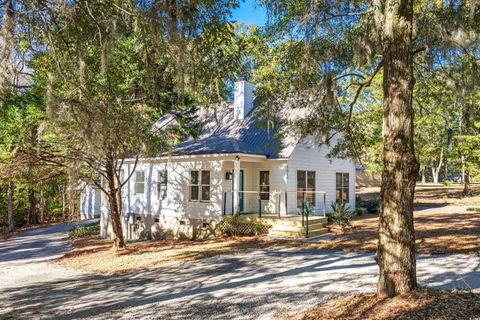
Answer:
[(316, 227)]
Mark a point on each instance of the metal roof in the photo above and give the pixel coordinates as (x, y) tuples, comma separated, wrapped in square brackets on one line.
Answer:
[(221, 133)]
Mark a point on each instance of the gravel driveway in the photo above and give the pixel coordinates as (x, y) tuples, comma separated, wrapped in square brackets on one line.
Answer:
[(258, 284)]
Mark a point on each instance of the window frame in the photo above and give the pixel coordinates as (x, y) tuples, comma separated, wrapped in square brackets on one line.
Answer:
[(263, 193), (313, 197), (135, 182), (200, 185), (161, 184), (342, 188)]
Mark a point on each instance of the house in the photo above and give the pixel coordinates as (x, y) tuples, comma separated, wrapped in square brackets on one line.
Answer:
[(237, 165)]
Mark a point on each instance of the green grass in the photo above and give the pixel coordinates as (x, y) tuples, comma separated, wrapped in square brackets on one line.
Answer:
[(84, 231), (474, 209)]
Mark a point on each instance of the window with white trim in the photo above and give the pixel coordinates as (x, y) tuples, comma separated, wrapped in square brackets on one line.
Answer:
[(200, 185), (264, 185), (306, 187), (342, 187), (162, 184), (139, 182)]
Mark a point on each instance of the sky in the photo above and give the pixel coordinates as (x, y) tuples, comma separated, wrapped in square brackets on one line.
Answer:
[(250, 13)]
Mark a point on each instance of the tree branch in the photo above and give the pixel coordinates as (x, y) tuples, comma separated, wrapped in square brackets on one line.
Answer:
[(360, 88)]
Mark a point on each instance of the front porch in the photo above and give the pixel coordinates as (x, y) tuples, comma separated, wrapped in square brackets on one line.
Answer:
[(294, 226), (252, 184)]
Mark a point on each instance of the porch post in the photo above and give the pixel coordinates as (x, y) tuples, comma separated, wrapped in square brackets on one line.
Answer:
[(236, 185)]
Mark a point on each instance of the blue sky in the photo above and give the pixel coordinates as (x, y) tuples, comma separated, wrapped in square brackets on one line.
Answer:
[(250, 13)]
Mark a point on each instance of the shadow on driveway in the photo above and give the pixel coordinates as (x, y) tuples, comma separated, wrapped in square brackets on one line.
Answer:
[(268, 283)]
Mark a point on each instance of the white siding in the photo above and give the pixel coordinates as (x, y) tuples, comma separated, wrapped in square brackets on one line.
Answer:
[(278, 182), (177, 202), (312, 156), (90, 202)]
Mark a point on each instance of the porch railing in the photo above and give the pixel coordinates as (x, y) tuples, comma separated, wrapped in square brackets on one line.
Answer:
[(278, 203)]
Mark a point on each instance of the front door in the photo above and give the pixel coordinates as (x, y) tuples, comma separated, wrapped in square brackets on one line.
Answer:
[(242, 194)]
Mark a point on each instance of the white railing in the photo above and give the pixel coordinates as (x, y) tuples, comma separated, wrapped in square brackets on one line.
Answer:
[(277, 202)]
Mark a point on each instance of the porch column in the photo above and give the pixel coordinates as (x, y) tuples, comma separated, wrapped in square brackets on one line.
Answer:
[(236, 185)]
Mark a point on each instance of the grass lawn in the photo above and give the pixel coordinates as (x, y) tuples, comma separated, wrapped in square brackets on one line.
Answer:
[(418, 305)]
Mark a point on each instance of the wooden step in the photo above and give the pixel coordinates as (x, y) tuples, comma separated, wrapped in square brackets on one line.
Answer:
[(298, 229), (316, 226), (288, 234), (316, 220), (297, 234)]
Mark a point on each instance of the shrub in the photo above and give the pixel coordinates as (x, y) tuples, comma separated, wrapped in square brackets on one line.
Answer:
[(84, 231), (361, 211), (446, 182), (307, 209), (371, 205), (341, 215)]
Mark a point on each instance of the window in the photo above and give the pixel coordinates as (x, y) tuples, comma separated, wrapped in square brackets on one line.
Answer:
[(139, 184), (305, 186), (200, 185), (265, 185), (162, 184), (342, 194)]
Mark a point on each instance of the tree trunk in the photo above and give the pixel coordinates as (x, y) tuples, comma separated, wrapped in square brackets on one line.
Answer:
[(436, 171), (7, 45), (424, 179), (42, 205), (434, 174), (466, 183), (11, 220), (396, 246), (32, 212), (115, 204)]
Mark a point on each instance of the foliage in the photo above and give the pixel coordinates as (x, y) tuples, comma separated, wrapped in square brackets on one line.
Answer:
[(307, 209), (360, 211), (372, 205), (446, 182), (341, 215), (108, 72), (84, 231)]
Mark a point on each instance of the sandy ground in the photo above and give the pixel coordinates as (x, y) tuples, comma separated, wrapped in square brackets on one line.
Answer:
[(442, 229), (416, 305), (427, 195), (271, 283)]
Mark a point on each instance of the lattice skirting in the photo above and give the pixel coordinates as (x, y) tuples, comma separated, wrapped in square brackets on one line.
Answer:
[(235, 228)]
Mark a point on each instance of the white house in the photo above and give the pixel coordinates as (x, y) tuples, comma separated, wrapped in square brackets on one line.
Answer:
[(236, 165)]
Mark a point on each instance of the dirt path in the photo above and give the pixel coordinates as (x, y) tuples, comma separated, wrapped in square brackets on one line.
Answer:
[(256, 284)]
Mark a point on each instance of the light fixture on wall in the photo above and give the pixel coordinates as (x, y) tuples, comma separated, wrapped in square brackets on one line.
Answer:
[(229, 175)]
